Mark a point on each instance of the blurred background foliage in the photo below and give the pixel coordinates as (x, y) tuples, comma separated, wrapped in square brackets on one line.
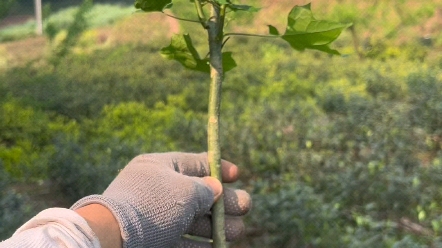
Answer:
[(342, 151)]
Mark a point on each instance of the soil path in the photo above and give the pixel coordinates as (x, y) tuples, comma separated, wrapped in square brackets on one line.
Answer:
[(14, 20)]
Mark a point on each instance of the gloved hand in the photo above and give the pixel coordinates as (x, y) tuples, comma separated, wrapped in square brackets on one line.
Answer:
[(159, 197)]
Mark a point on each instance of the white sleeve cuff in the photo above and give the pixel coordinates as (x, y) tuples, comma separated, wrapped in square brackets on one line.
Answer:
[(54, 227)]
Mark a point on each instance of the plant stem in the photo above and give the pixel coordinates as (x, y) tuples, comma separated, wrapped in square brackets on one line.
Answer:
[(253, 35), (215, 29), (200, 11), (180, 18)]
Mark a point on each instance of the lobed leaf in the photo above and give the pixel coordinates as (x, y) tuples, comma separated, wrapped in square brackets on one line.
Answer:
[(182, 50), (305, 32)]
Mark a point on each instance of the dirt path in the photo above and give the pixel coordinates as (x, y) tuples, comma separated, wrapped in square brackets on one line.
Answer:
[(14, 20)]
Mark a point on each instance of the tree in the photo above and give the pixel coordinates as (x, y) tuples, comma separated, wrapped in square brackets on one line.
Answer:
[(38, 17), (303, 32)]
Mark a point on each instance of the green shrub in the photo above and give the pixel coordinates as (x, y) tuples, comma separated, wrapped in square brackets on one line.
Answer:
[(100, 15), (87, 163), (14, 210), (425, 96), (79, 169), (288, 214), (17, 32), (24, 140), (83, 84)]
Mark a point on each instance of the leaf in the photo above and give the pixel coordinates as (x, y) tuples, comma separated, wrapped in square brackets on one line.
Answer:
[(182, 50), (305, 32), (248, 8), (153, 5), (273, 30), (228, 61)]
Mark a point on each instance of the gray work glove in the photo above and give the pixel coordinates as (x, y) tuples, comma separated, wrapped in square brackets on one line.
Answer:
[(157, 198)]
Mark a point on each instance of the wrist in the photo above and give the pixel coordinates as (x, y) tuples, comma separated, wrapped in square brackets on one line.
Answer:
[(103, 223)]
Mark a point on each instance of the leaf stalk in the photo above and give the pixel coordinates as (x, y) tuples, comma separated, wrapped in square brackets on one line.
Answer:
[(253, 35), (180, 18)]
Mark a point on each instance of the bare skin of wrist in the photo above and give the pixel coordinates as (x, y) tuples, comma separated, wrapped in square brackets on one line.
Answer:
[(103, 223)]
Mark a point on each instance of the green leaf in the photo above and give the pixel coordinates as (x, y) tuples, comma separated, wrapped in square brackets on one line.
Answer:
[(273, 30), (153, 5), (248, 8), (228, 62), (182, 50), (305, 32)]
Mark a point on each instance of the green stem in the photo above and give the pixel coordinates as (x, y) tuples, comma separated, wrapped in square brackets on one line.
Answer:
[(200, 11), (253, 35), (179, 18), (215, 29), (222, 17)]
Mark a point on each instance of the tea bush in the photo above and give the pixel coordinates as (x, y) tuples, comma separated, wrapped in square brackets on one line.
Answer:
[(14, 210)]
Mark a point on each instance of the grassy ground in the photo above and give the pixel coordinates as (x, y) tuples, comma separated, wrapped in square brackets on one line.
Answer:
[(20, 45)]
